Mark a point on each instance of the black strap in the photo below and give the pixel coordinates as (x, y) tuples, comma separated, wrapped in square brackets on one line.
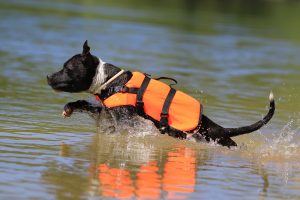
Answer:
[(164, 123), (167, 78), (140, 94), (125, 89), (112, 90)]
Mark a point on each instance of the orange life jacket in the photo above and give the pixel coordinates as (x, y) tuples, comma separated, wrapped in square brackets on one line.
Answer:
[(183, 112)]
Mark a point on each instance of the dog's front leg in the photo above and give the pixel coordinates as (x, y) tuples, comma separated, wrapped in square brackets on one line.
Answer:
[(80, 106)]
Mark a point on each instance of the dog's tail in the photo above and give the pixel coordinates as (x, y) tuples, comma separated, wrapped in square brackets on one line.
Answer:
[(231, 132)]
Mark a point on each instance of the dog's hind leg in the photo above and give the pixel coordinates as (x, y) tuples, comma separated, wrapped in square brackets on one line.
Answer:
[(80, 106), (210, 131)]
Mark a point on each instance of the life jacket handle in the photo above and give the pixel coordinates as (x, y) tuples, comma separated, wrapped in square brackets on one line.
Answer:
[(167, 78), (163, 78)]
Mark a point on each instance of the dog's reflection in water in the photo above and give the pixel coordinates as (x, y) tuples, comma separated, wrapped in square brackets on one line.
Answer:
[(176, 180)]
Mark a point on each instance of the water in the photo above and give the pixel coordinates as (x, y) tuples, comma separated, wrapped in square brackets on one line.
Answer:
[(228, 55)]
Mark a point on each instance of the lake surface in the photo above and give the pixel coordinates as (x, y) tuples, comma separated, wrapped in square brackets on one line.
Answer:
[(228, 55)]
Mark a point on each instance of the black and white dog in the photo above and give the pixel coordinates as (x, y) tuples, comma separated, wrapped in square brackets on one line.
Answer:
[(87, 73)]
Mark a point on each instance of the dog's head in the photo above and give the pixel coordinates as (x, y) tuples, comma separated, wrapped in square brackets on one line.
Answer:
[(82, 72), (77, 73)]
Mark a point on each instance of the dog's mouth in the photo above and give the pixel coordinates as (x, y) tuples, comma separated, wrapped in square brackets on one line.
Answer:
[(61, 87)]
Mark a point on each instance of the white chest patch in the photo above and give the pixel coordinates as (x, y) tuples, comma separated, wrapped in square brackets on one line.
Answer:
[(99, 78)]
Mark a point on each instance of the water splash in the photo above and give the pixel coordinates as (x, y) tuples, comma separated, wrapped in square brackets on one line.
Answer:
[(282, 146), (142, 127)]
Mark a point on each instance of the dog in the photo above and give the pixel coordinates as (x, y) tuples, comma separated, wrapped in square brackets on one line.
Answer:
[(87, 73)]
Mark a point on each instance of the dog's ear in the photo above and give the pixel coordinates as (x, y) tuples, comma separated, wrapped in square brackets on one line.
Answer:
[(85, 48)]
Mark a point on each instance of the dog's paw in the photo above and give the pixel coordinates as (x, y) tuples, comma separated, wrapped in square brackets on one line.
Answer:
[(68, 110)]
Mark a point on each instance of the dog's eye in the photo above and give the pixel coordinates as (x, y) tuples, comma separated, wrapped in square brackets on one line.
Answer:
[(68, 71)]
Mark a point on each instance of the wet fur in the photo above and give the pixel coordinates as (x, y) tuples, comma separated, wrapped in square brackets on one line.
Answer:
[(82, 71)]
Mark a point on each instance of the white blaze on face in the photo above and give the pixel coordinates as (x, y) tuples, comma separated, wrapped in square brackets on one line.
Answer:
[(99, 78)]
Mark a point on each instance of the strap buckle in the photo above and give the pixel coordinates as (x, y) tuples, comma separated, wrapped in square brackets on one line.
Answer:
[(124, 89), (163, 119), (164, 115), (163, 123)]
